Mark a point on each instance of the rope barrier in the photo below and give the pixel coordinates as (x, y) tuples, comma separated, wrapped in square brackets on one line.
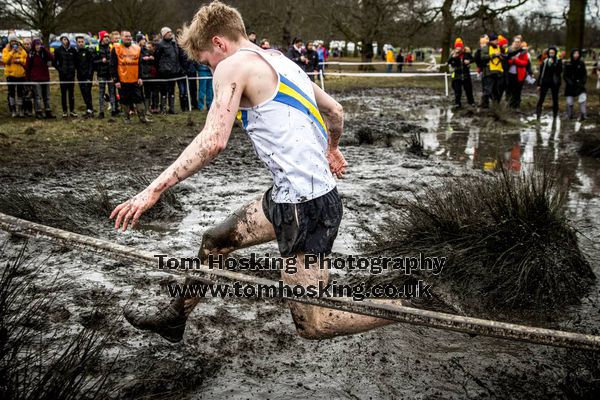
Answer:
[(410, 315)]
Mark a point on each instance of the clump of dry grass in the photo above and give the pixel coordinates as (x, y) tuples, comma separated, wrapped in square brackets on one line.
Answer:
[(506, 237), (41, 365)]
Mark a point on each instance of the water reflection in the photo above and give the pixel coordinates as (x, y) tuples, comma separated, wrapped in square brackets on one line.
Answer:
[(482, 147)]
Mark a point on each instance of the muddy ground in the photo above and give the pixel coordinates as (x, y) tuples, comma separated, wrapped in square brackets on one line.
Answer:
[(248, 348)]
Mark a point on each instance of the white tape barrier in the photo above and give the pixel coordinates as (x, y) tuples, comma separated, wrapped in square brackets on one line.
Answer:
[(385, 74), (376, 63)]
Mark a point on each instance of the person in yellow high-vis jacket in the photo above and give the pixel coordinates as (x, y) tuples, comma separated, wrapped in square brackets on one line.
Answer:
[(14, 58), (390, 59), (493, 71)]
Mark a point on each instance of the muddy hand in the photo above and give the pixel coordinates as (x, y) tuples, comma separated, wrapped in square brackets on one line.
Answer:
[(132, 209), (337, 162)]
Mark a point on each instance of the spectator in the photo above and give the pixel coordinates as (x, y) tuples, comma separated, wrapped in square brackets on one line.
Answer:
[(125, 68), (14, 58), (188, 69), (115, 38), (491, 58), (323, 55), (102, 66), (483, 41), (148, 72), (575, 76), (28, 93), (517, 72), (399, 61), (264, 44), (313, 60), (167, 61), (252, 37), (549, 79), (295, 54), (84, 63), (64, 62), (460, 65), (38, 61), (503, 81), (390, 59), (205, 89)]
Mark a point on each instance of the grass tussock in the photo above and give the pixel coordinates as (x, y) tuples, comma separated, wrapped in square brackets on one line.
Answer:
[(68, 211), (81, 214), (506, 238), (415, 145), (36, 363)]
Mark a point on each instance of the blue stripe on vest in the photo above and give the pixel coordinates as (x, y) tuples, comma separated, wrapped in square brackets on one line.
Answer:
[(292, 102), (297, 89)]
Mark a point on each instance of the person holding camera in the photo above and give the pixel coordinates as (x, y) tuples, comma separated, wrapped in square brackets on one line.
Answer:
[(549, 79), (493, 71), (14, 58), (38, 73), (460, 66)]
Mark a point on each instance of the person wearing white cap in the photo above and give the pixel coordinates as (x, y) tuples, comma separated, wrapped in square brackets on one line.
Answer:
[(167, 58)]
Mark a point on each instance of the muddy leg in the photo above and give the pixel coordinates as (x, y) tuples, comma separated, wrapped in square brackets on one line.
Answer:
[(313, 322), (246, 227)]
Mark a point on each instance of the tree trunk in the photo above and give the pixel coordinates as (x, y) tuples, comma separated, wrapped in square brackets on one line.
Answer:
[(366, 54), (447, 28), (575, 24)]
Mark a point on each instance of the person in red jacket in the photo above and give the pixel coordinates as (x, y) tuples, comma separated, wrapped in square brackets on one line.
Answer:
[(36, 69), (517, 72)]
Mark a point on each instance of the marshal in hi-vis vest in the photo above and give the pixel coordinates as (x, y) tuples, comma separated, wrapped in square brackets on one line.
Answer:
[(128, 59), (495, 63)]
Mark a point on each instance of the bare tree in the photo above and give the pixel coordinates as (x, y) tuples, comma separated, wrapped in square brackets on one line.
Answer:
[(48, 16), (364, 21)]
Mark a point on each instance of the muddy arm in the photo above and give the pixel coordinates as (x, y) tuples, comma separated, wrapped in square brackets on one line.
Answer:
[(215, 134), (333, 114)]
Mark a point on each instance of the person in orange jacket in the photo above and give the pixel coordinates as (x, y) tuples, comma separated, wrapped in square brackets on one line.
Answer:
[(125, 66), (14, 58)]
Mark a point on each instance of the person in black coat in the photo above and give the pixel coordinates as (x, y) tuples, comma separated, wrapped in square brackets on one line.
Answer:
[(460, 66), (84, 64), (312, 57), (575, 75), (167, 59), (148, 72), (102, 67), (549, 79), (295, 54), (64, 62), (400, 60)]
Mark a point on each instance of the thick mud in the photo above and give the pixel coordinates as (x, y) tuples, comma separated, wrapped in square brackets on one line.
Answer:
[(249, 348)]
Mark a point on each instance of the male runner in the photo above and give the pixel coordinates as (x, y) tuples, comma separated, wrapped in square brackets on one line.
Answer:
[(295, 128)]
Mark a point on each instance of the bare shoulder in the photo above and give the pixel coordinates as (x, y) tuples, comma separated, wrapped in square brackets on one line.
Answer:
[(237, 65)]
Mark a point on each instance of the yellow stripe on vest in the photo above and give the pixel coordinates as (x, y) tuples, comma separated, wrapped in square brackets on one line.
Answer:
[(285, 89)]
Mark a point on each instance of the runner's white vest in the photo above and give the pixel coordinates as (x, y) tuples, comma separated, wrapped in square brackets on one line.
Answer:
[(289, 134)]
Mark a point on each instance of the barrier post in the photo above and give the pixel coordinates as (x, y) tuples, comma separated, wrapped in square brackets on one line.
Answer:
[(446, 83), (187, 84), (322, 80)]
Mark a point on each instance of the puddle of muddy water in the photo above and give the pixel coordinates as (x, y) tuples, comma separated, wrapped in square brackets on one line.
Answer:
[(251, 346)]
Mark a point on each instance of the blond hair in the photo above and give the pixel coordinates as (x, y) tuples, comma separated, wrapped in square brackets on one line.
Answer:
[(214, 19)]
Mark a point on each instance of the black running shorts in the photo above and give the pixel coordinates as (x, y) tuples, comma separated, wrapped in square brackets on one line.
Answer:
[(309, 227)]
